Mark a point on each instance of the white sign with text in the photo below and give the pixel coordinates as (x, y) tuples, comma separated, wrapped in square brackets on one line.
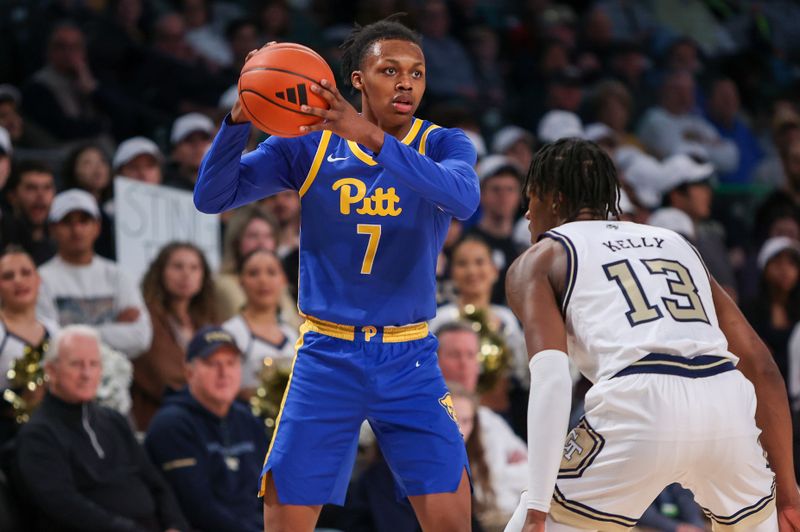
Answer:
[(147, 217)]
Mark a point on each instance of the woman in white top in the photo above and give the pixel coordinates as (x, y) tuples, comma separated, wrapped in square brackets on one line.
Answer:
[(257, 329), (474, 275), (20, 329)]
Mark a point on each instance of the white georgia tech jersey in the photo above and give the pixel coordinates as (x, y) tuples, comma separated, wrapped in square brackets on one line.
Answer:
[(632, 290)]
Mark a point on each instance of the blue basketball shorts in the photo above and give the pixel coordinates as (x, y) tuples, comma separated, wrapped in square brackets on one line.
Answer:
[(343, 375)]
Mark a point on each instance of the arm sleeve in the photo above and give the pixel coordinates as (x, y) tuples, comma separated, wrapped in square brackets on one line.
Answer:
[(446, 178), (178, 447), (44, 468), (131, 338), (228, 179)]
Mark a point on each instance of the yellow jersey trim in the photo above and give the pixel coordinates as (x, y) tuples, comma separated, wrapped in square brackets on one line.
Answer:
[(365, 158), (303, 330), (391, 335), (424, 138), (319, 156)]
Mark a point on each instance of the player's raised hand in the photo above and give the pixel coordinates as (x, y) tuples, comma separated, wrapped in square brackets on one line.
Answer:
[(342, 118), (237, 116)]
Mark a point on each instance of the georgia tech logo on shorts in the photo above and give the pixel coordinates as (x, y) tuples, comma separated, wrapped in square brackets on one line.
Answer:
[(353, 191), (447, 403)]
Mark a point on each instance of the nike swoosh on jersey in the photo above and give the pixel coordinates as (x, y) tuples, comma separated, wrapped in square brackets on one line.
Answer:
[(332, 159)]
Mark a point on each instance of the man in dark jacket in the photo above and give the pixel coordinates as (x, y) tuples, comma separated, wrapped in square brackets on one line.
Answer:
[(210, 447), (80, 463)]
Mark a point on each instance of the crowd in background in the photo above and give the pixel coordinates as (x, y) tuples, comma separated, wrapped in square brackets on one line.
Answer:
[(697, 102)]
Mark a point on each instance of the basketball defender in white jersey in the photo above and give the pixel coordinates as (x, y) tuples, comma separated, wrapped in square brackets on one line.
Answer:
[(683, 386)]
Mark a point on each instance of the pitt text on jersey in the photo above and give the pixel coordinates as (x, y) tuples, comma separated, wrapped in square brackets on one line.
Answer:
[(353, 191)]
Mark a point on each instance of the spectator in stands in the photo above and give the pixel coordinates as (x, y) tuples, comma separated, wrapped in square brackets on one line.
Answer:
[(612, 105), (80, 463), (558, 124), (64, 97), (201, 34), (87, 167), (30, 192), (448, 68), (474, 276), (791, 169), (501, 194), (242, 37), (484, 497), (139, 158), (724, 113), (178, 291), (286, 208), (6, 150), (689, 190), (79, 287), (209, 446), (515, 143), (668, 128), (565, 90), (251, 227), (257, 329), (191, 137), (785, 129), (20, 329), (776, 309), (23, 134), (505, 453)]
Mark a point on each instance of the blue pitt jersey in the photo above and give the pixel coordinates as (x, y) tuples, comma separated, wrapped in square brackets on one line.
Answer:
[(372, 225)]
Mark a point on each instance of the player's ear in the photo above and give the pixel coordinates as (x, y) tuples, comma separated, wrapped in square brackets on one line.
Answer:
[(356, 80)]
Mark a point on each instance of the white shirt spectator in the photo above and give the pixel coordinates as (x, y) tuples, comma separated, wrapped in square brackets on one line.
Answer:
[(94, 294), (255, 348), (666, 134), (507, 457)]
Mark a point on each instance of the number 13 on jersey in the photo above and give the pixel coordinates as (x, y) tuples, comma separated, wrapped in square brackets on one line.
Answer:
[(679, 283)]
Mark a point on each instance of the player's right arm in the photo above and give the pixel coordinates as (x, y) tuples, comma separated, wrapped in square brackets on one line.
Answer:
[(228, 179), (772, 412), (532, 288)]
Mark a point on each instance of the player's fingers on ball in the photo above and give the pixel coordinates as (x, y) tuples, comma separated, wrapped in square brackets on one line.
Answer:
[(316, 111), (313, 127), (324, 92), (330, 86)]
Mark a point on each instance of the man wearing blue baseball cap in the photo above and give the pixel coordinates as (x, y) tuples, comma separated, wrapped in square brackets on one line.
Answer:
[(208, 446)]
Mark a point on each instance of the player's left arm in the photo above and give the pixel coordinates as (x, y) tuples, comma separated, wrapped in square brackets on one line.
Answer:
[(531, 288), (772, 411)]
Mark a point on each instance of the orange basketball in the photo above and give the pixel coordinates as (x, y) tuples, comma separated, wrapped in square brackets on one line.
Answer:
[(276, 81)]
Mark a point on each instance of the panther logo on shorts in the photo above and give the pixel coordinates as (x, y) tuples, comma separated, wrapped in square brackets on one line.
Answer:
[(447, 403)]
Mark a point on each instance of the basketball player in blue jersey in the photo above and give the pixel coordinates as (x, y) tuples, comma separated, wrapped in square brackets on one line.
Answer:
[(378, 190), (682, 385)]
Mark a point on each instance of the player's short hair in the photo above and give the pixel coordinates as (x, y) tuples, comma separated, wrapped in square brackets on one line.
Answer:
[(581, 172), (361, 37)]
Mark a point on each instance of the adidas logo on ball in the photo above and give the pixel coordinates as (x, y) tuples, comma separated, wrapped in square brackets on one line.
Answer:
[(296, 94)]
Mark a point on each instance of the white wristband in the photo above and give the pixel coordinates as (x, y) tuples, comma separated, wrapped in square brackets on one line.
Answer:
[(548, 422)]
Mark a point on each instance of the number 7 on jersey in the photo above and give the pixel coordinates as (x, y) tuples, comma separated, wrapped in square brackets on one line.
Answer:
[(374, 232)]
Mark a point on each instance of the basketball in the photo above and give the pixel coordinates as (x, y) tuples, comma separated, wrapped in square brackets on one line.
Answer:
[(276, 81)]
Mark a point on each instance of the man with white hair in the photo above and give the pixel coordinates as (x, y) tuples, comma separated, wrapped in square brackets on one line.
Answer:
[(80, 463)]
